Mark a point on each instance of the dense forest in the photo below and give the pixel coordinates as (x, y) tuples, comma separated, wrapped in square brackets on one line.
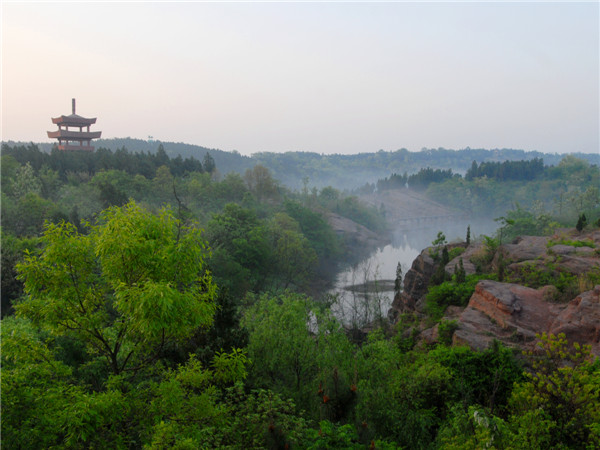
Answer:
[(152, 300)]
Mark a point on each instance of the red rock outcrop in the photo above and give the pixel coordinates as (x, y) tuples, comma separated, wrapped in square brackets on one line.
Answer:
[(580, 320), (514, 314), (510, 312)]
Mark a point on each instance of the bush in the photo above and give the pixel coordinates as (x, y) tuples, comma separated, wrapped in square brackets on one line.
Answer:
[(451, 293), (453, 253), (535, 277), (446, 330)]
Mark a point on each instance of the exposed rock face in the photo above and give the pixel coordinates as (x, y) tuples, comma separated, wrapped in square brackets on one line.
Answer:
[(510, 312), (470, 252), (514, 314), (526, 248), (416, 281), (517, 313), (580, 320), (402, 204)]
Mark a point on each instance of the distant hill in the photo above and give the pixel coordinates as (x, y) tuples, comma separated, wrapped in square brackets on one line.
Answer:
[(341, 171)]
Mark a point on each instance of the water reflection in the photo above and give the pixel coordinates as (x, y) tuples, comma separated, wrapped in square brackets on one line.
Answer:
[(364, 292)]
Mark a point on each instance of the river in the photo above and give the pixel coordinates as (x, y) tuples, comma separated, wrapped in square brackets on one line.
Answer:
[(364, 292)]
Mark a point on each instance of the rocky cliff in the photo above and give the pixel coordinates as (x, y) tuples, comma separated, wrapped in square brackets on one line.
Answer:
[(563, 271)]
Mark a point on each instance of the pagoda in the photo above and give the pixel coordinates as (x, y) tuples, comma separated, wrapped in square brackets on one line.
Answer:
[(74, 139)]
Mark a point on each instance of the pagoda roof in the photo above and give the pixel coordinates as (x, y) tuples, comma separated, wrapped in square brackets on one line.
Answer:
[(74, 135), (73, 120)]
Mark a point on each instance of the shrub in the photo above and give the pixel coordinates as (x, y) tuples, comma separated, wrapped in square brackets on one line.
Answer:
[(446, 330), (535, 277), (451, 293), (573, 243), (453, 253)]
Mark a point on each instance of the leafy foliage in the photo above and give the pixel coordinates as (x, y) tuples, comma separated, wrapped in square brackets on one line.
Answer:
[(300, 352), (451, 293), (131, 285), (559, 404)]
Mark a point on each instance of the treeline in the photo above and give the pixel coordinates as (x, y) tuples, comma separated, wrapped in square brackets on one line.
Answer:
[(490, 189), (507, 170), (341, 171), (418, 181), (90, 163)]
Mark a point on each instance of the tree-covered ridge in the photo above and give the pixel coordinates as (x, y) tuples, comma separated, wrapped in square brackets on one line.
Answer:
[(341, 171), (491, 189)]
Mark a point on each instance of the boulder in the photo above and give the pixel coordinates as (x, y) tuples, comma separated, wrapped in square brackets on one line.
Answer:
[(525, 248), (512, 305), (470, 252), (580, 320)]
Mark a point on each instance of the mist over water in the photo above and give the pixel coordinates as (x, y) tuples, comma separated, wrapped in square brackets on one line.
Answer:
[(364, 292)]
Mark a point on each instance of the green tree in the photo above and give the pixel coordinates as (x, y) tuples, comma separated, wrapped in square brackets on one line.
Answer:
[(209, 163), (163, 184), (161, 158), (11, 255), (261, 183), (406, 405), (316, 229), (132, 285), (440, 275), (50, 182), (581, 222), (26, 215), (26, 182), (398, 280), (8, 170), (299, 352), (293, 257), (242, 252), (41, 405), (559, 405)]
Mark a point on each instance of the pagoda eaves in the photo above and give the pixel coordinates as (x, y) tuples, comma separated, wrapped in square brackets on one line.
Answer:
[(74, 135), (73, 120), (67, 138)]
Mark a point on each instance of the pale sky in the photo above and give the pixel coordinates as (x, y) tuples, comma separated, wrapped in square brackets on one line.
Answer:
[(321, 77)]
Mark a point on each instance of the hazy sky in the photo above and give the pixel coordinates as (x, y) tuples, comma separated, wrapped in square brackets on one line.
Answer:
[(322, 77)]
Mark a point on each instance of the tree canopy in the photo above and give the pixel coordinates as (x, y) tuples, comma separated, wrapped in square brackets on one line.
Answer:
[(126, 289)]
